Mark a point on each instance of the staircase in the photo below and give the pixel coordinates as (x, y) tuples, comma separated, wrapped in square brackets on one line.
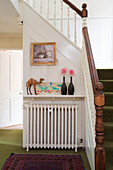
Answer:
[(106, 76), (37, 28)]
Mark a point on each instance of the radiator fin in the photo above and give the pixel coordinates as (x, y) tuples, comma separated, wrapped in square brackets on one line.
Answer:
[(51, 126)]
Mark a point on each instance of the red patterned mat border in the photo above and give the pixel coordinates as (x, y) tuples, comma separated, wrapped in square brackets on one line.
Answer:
[(43, 162)]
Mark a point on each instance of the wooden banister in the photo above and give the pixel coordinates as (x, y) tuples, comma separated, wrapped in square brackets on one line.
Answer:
[(99, 99), (83, 13), (99, 127), (93, 71), (99, 103)]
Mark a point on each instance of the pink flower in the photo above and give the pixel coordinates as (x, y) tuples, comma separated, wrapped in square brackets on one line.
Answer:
[(63, 71), (71, 72)]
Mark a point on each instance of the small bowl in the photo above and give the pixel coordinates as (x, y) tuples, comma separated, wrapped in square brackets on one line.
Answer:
[(40, 56)]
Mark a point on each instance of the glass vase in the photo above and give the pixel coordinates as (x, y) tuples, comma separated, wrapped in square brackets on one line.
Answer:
[(64, 87), (71, 87)]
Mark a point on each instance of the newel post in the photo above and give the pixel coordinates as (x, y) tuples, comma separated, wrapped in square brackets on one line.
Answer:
[(99, 150), (84, 11)]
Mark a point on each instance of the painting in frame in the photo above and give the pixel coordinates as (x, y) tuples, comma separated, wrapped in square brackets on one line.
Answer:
[(43, 53)]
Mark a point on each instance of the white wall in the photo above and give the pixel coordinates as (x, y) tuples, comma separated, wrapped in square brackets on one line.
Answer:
[(36, 29), (67, 55), (100, 24), (97, 8), (100, 32)]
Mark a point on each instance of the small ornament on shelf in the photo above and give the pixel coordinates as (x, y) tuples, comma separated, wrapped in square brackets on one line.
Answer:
[(33, 82), (71, 86), (63, 87)]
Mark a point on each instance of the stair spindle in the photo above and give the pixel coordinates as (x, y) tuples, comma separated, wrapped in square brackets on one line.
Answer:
[(55, 13), (28, 2), (34, 4), (75, 40), (84, 24), (40, 6), (68, 24), (61, 16), (48, 9)]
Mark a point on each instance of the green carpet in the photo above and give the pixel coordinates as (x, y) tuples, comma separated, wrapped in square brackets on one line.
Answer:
[(106, 77), (11, 141)]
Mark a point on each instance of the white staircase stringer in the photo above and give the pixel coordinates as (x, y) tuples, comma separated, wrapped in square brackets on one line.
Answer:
[(16, 5), (90, 111)]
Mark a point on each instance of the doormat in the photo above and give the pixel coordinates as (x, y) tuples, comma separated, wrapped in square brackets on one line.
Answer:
[(43, 162)]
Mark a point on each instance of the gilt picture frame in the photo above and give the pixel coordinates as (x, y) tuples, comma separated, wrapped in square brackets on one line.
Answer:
[(43, 53)]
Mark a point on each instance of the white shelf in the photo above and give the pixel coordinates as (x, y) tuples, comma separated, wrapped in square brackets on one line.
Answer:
[(54, 96)]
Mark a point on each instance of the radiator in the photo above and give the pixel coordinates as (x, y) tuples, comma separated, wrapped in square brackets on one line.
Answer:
[(51, 126)]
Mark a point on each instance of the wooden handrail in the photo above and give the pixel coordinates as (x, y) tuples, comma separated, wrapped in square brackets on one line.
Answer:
[(83, 13), (93, 71), (99, 99), (99, 103)]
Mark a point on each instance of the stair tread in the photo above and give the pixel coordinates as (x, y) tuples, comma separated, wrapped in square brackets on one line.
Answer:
[(105, 74), (110, 93), (106, 77), (108, 144), (106, 69), (106, 80), (108, 124), (108, 107)]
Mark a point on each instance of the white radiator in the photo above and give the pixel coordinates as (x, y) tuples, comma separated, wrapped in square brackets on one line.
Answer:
[(51, 126)]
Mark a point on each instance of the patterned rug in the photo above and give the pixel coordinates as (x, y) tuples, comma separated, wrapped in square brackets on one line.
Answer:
[(43, 162)]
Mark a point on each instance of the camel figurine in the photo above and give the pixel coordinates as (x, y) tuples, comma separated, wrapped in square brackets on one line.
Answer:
[(33, 82)]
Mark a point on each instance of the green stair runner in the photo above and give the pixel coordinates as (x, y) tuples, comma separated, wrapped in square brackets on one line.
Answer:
[(106, 77)]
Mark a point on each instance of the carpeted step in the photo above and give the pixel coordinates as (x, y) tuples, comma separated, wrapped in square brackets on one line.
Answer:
[(108, 131), (106, 77), (108, 85), (108, 114), (109, 154), (105, 74), (108, 98)]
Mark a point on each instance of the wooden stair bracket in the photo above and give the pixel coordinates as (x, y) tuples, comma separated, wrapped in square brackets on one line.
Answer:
[(99, 150)]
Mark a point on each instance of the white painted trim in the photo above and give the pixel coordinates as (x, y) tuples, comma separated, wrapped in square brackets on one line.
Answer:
[(56, 96), (5, 124), (104, 64), (16, 5)]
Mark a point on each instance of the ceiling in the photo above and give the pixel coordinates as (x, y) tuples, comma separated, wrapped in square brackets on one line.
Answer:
[(8, 18)]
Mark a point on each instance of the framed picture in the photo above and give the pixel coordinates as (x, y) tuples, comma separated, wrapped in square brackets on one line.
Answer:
[(43, 53)]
